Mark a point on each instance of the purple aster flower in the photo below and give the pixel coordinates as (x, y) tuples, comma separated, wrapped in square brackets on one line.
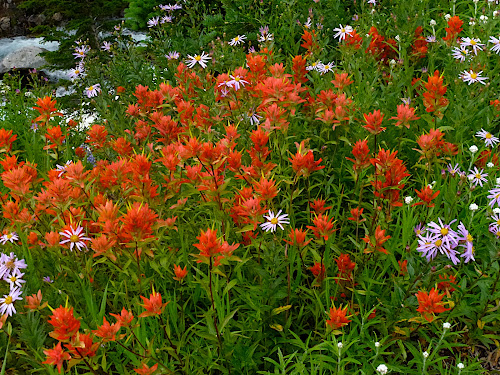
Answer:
[(447, 235), (494, 196), (467, 243)]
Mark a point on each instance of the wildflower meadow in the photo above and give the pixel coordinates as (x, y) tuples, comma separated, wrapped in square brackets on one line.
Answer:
[(259, 187)]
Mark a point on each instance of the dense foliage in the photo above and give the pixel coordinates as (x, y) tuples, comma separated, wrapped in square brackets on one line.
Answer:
[(260, 191)]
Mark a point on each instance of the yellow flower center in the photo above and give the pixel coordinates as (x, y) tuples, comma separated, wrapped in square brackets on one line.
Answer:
[(74, 238), (478, 176), (237, 79), (327, 66), (77, 72), (469, 238), (236, 38), (10, 264), (444, 231), (473, 42), (464, 52), (9, 236), (342, 30), (13, 279), (438, 243), (91, 88), (498, 222), (197, 57), (488, 136), (274, 220), (473, 75), (8, 300)]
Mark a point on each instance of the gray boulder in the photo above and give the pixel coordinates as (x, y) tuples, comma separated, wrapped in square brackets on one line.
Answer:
[(26, 57)]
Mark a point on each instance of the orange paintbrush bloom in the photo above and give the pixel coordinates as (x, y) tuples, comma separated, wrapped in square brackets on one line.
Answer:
[(338, 317), (430, 304), (426, 195), (65, 324), (46, 108), (107, 331), (56, 356), (153, 305), (180, 273)]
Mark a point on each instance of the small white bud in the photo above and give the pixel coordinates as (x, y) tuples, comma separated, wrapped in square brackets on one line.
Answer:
[(490, 165), (472, 23), (397, 38), (447, 16), (377, 344), (425, 354), (408, 200), (432, 23), (473, 149), (382, 369), (461, 366), (473, 207), (340, 345), (496, 13), (446, 325)]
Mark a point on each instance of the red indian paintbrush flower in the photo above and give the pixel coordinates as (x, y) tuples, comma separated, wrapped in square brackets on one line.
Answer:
[(376, 241), (319, 271), (303, 162), (125, 317), (82, 346), (146, 370), (430, 304), (405, 115), (338, 317), (373, 122), (453, 29), (212, 248), (426, 195), (46, 108), (323, 227), (361, 153), (56, 356), (153, 305), (297, 238), (65, 324), (6, 140), (434, 100), (180, 273), (107, 331)]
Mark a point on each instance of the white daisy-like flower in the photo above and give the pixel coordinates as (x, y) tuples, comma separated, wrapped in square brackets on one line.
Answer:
[(472, 77), (236, 82), (198, 59), (238, 39), (461, 366), (7, 302), (15, 279), (342, 31), (477, 177), (408, 200), (446, 325), (473, 207), (431, 39), (93, 90), (496, 44), (425, 354), (460, 53), (274, 220), (9, 237), (325, 68), (75, 237), (314, 66), (473, 149), (489, 139), (475, 43)]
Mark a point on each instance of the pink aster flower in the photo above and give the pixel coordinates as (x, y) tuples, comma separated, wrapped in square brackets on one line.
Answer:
[(494, 196), (9, 237), (93, 90), (75, 237), (466, 240)]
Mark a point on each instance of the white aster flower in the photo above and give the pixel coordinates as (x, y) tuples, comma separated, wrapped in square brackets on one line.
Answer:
[(239, 39), (496, 44), (15, 279), (477, 177), (472, 77), (475, 43), (460, 53), (490, 165), (446, 325), (7, 302), (274, 220), (473, 207), (325, 68), (461, 366), (236, 82), (425, 354), (10, 264), (342, 31), (9, 237), (314, 66), (408, 200), (198, 59), (473, 149), (489, 139), (75, 237)]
